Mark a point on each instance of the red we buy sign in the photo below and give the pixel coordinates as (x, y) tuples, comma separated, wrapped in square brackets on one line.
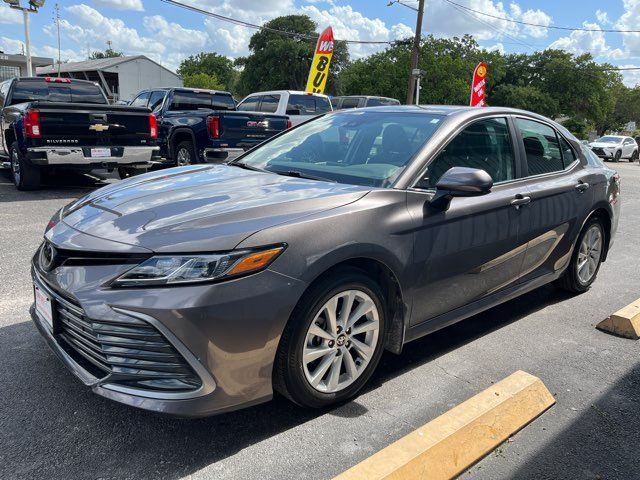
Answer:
[(478, 87)]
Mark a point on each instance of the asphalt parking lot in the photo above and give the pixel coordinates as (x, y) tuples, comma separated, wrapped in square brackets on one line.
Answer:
[(53, 427)]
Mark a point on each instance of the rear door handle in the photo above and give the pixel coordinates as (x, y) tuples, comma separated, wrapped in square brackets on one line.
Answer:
[(520, 200), (582, 187)]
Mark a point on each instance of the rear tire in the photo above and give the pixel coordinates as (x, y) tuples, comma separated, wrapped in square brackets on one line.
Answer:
[(294, 373), (185, 154), (26, 176), (585, 260), (126, 172)]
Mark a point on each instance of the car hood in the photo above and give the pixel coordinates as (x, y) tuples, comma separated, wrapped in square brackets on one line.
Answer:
[(200, 208), (604, 145)]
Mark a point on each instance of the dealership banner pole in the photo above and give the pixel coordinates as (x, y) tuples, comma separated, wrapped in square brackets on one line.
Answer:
[(479, 86), (319, 72)]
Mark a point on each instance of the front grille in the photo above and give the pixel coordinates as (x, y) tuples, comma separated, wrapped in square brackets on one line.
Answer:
[(124, 351), (598, 151)]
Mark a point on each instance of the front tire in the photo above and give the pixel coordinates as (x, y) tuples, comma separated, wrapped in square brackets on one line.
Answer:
[(26, 176), (617, 156), (586, 258), (333, 341), (634, 156)]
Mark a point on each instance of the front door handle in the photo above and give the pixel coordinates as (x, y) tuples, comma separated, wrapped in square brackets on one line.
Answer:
[(582, 187), (520, 200)]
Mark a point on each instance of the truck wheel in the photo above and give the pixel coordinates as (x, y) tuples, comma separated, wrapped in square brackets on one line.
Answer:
[(26, 176), (126, 172), (185, 154)]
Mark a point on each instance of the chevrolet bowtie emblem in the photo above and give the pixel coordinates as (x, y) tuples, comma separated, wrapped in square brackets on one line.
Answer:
[(99, 127)]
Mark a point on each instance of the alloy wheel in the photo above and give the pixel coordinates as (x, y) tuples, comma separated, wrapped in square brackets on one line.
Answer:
[(15, 167), (589, 254), (183, 158), (341, 341)]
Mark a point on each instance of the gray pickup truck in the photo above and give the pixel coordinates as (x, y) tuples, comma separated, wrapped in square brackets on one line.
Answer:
[(47, 123)]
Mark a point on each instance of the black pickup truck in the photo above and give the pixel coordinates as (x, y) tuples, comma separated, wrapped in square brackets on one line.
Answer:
[(203, 125), (60, 122)]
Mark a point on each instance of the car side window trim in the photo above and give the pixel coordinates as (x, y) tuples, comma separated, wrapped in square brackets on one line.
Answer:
[(432, 156)]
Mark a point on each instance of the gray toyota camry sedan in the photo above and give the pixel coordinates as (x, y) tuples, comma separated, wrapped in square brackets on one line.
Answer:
[(202, 289)]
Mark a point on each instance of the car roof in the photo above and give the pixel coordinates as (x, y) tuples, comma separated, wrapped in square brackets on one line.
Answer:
[(290, 92)]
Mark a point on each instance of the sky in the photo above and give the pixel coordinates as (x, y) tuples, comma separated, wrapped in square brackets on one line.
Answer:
[(168, 34)]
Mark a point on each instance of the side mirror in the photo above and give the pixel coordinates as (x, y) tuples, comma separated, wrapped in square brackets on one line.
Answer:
[(460, 182)]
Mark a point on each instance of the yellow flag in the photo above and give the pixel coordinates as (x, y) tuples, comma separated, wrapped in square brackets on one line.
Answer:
[(321, 61)]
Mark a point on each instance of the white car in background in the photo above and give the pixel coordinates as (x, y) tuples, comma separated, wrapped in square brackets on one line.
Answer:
[(298, 106), (615, 147)]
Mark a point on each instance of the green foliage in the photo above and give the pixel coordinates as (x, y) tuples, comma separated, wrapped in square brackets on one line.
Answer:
[(203, 80), (278, 62), (108, 53), (449, 63), (578, 127), (210, 64)]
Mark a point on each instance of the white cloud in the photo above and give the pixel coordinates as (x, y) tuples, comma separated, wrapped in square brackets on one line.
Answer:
[(630, 20), (592, 42), (631, 78), (400, 31), (9, 15), (10, 45), (539, 18), (175, 35), (135, 5), (603, 17)]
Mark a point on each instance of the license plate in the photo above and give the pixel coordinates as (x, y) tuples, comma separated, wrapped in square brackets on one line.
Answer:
[(100, 152), (44, 307)]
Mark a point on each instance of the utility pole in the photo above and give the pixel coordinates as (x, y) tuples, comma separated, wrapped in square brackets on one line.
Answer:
[(415, 55)]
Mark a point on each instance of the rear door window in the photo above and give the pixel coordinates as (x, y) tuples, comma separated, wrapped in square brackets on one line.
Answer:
[(541, 146), (184, 100), (4, 90), (381, 102), (270, 103), (223, 101), (308, 104), (141, 100), (568, 155), (350, 103), (249, 104), (156, 98)]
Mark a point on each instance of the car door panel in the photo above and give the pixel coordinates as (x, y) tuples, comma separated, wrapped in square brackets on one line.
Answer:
[(560, 199), (465, 253)]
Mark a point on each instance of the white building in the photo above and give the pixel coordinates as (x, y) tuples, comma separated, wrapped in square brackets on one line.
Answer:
[(120, 77), (16, 65)]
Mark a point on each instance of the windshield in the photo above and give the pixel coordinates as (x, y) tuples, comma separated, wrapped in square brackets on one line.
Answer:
[(609, 140), (368, 148)]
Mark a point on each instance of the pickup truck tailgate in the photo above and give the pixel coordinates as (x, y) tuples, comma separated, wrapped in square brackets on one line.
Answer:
[(246, 129), (93, 125)]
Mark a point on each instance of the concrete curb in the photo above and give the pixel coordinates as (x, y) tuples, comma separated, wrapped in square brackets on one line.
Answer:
[(451, 443), (624, 323)]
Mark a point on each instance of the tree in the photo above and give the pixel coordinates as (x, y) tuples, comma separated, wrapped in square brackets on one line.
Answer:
[(277, 61), (211, 64), (108, 53), (449, 64), (203, 80)]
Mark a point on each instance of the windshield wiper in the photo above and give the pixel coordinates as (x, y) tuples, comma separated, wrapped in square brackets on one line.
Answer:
[(298, 174), (246, 166)]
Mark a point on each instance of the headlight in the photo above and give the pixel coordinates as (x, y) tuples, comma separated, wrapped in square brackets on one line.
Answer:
[(197, 268)]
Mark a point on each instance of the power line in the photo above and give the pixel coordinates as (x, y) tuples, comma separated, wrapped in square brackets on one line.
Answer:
[(295, 35), (539, 25)]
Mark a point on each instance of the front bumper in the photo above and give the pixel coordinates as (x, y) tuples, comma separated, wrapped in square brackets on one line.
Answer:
[(81, 156), (227, 332)]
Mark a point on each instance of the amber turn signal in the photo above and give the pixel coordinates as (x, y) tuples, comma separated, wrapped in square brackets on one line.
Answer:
[(255, 261)]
